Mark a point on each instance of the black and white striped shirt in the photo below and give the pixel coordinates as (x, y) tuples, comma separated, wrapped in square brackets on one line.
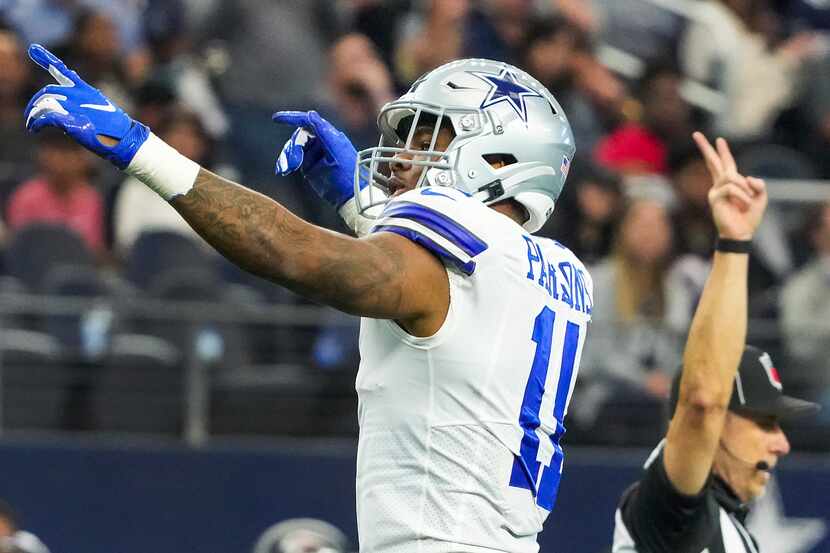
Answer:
[(653, 517)]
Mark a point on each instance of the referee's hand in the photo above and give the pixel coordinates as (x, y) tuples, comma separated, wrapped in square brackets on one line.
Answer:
[(737, 202)]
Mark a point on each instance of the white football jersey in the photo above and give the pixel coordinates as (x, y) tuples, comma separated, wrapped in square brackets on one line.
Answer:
[(459, 432)]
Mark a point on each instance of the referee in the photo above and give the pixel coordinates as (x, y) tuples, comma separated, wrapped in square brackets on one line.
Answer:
[(724, 436)]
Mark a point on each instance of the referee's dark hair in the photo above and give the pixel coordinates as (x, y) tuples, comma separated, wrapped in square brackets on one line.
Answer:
[(9, 515)]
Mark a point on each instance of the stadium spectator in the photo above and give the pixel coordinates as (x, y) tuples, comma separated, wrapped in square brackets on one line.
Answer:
[(628, 368), (496, 29), (582, 15), (637, 27), (605, 92), (269, 68), (805, 310), (51, 22), (156, 102), (95, 46), (175, 66), (633, 353), (379, 20), (549, 47), (664, 110), (642, 146), (725, 49), (360, 84), (587, 223), (452, 29), (276, 54), (809, 130), (15, 151), (433, 38), (694, 230), (138, 209), (61, 192), (560, 56)]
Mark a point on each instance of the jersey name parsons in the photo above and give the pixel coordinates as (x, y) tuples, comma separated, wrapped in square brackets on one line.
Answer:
[(460, 432), (571, 289)]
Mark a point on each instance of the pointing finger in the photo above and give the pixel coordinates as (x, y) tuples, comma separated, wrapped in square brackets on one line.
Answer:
[(49, 61), (323, 129), (727, 161), (296, 118), (710, 156)]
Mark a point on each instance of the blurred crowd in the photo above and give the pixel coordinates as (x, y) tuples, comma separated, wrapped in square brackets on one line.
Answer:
[(295, 535), (206, 75)]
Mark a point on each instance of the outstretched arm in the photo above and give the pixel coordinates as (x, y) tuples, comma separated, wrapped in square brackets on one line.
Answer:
[(383, 276), (718, 332), (369, 276)]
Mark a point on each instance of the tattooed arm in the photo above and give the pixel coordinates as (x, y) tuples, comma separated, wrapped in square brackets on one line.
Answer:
[(383, 275)]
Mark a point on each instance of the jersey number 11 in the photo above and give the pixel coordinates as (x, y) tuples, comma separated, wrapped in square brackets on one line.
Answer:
[(526, 466)]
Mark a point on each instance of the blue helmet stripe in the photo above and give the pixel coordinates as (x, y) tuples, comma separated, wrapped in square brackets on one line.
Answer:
[(439, 223)]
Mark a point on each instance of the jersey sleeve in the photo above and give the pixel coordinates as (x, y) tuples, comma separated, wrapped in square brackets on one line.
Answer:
[(440, 220), (662, 520)]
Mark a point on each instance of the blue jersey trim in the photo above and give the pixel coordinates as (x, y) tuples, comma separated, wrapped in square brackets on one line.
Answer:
[(424, 241), (439, 223), (431, 192)]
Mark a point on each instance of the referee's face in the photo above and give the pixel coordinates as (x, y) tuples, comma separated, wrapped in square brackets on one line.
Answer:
[(6, 527), (750, 441)]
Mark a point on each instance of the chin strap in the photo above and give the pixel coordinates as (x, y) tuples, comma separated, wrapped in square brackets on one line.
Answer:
[(490, 192)]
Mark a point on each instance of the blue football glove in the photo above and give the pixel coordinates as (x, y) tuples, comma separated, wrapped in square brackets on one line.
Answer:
[(82, 112), (325, 156)]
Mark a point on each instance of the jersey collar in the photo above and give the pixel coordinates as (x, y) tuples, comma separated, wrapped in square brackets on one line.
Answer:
[(727, 498)]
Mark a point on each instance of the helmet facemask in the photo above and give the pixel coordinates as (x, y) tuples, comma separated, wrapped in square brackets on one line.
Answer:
[(400, 122)]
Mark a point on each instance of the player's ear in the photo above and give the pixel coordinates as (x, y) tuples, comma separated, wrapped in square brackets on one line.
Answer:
[(497, 161)]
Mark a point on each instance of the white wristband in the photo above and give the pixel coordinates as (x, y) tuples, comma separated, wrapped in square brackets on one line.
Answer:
[(163, 169), (361, 224)]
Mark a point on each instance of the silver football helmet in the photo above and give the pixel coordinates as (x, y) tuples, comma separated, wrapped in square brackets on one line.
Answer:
[(496, 111)]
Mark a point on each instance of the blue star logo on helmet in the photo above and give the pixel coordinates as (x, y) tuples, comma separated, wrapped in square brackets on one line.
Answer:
[(505, 87)]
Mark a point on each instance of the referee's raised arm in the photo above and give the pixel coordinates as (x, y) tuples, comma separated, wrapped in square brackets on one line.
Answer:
[(718, 332)]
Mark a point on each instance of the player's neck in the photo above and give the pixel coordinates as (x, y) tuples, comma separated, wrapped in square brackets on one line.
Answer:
[(512, 209)]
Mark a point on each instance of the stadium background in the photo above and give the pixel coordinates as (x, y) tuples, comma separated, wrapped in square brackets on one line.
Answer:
[(154, 398)]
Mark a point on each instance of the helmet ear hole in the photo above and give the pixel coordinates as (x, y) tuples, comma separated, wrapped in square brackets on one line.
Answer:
[(499, 160)]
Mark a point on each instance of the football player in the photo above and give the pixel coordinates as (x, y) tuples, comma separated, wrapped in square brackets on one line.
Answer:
[(472, 328)]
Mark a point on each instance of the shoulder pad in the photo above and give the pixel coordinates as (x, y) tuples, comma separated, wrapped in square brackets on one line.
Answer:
[(437, 219)]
